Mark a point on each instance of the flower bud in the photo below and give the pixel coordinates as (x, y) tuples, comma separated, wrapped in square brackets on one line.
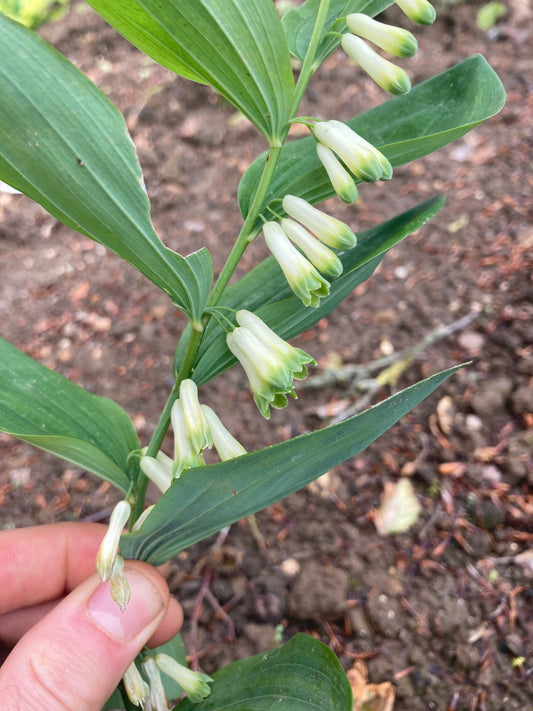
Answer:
[(197, 431), (341, 180), (108, 551), (156, 472), (135, 686), (386, 74), (193, 683), (308, 285), (420, 11), (318, 254), (394, 40), (225, 443), (328, 229), (118, 584), (184, 455)]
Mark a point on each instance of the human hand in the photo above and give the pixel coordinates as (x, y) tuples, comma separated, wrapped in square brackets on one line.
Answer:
[(71, 643)]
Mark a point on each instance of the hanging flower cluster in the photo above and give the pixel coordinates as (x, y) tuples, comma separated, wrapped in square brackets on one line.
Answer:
[(313, 232), (337, 140), (150, 695), (394, 40), (270, 363), (196, 427)]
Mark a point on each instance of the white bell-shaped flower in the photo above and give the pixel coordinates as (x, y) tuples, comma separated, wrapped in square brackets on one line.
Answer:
[(387, 75), (395, 40), (306, 282), (327, 229)]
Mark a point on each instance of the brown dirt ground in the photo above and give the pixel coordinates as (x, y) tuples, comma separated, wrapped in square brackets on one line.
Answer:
[(444, 611)]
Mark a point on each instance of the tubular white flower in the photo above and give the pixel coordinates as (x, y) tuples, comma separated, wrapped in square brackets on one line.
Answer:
[(184, 455), (156, 700), (197, 431), (395, 40), (361, 157), (270, 363), (318, 254), (225, 443), (308, 285), (118, 584), (156, 472), (387, 75), (328, 229), (165, 461), (142, 518), (108, 551), (193, 683), (295, 358), (420, 11), (135, 686), (341, 180)]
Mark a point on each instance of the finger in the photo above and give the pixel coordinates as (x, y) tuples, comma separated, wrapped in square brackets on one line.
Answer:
[(76, 655), (14, 625), (41, 563)]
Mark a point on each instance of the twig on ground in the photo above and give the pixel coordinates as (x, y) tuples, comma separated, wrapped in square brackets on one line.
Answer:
[(388, 368), (198, 603)]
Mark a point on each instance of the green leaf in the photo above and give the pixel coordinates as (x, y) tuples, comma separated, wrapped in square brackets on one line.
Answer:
[(205, 499), (303, 674), (47, 410), (265, 291), (236, 46), (115, 701), (65, 145), (299, 23), (404, 128)]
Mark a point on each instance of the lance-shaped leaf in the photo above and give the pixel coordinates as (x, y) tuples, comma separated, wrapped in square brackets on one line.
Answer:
[(47, 410), (299, 22), (205, 499), (433, 114), (302, 675), (236, 46), (265, 291), (65, 145)]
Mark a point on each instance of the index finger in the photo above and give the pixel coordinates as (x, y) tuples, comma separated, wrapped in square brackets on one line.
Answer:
[(42, 563)]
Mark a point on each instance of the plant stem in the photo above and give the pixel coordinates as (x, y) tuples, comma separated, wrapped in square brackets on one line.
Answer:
[(308, 68), (246, 235), (164, 419), (247, 230)]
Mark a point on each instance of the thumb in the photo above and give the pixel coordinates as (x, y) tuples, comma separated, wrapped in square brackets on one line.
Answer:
[(73, 659)]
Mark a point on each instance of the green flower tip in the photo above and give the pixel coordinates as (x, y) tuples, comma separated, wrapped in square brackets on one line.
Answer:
[(419, 11), (193, 683), (399, 83)]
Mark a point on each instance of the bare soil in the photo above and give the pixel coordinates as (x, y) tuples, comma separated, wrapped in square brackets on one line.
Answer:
[(444, 611)]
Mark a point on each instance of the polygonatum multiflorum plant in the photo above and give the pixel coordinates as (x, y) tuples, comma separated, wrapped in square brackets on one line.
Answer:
[(63, 144)]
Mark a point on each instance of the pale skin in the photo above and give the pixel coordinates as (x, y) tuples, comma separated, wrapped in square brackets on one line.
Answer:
[(64, 644)]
